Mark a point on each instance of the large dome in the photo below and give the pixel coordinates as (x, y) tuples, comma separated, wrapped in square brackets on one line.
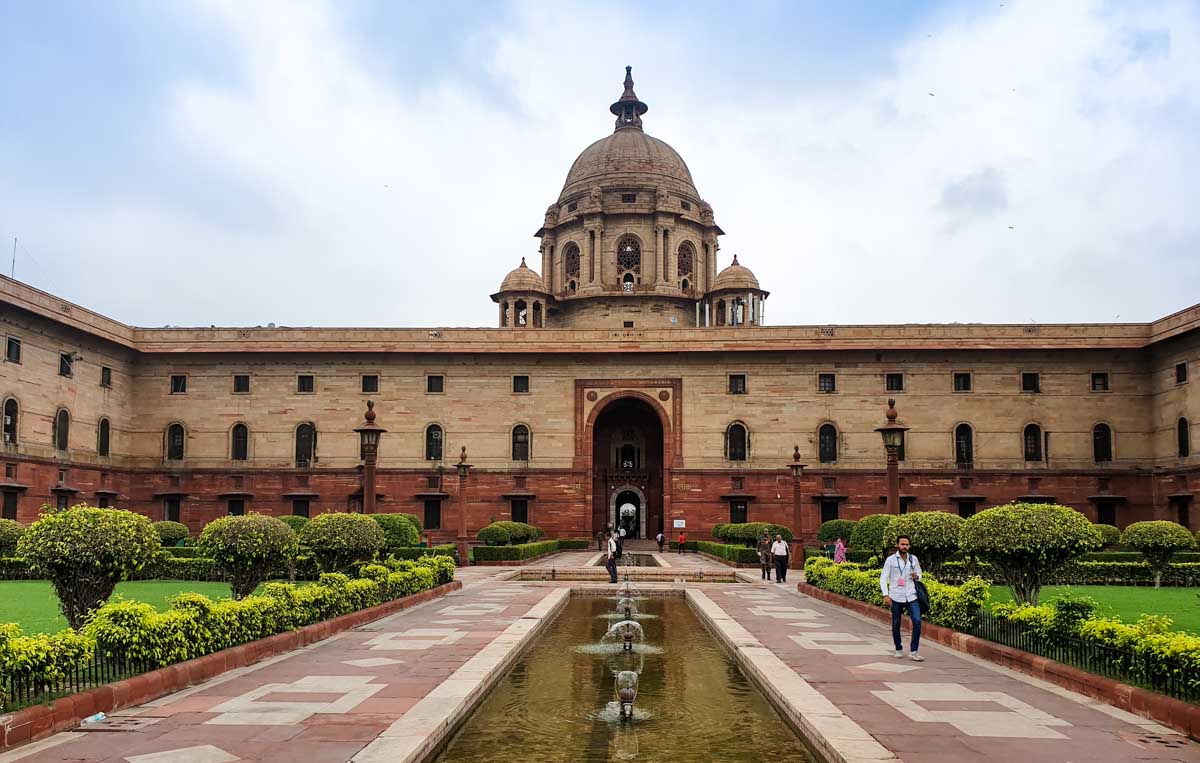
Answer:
[(630, 157)]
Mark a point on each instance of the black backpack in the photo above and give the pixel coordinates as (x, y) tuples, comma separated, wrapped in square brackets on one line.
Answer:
[(617, 554)]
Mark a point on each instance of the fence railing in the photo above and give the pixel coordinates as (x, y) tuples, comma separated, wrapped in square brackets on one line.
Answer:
[(22, 691), (1165, 676)]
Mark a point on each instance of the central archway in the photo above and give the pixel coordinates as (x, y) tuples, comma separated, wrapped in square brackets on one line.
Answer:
[(627, 459)]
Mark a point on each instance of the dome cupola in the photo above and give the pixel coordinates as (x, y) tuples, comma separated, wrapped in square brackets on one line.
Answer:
[(522, 299)]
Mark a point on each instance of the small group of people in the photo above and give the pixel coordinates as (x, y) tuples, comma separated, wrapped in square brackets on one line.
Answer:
[(773, 554)]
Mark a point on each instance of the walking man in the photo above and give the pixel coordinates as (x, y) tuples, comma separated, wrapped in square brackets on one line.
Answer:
[(779, 553), (764, 556), (610, 563), (682, 540), (898, 581), (662, 539)]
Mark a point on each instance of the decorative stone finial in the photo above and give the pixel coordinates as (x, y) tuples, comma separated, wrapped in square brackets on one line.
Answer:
[(522, 262), (628, 109), (370, 417), (796, 454), (462, 458), (891, 412), (734, 260)]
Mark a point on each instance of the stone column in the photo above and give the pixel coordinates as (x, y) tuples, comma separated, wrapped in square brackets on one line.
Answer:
[(547, 258), (668, 276), (600, 253), (655, 257), (591, 256)]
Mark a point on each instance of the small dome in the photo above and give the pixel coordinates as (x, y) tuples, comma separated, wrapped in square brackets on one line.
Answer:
[(522, 279), (735, 276)]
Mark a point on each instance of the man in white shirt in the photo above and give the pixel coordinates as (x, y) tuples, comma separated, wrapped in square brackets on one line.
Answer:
[(610, 563), (898, 582), (779, 554)]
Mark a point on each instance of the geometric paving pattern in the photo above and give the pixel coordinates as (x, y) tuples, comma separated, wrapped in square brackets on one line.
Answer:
[(415, 639), (268, 705), (203, 754), (963, 708), (838, 643)]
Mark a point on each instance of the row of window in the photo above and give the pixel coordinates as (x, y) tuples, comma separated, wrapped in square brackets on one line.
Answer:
[(306, 384), (1031, 381)]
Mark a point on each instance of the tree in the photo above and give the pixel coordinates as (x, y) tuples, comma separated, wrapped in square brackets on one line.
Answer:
[(338, 540), (869, 533), (1028, 542), (84, 552), (171, 533), (10, 532), (934, 536), (1109, 535), (294, 521), (398, 530), (1157, 542), (834, 529), (247, 549)]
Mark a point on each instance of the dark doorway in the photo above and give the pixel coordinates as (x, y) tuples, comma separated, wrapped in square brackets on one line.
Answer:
[(627, 519), (627, 459), (1106, 513)]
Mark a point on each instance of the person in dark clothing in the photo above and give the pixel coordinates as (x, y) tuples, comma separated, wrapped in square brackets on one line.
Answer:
[(764, 556), (610, 563)]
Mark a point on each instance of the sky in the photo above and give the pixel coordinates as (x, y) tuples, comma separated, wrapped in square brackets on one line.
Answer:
[(357, 163)]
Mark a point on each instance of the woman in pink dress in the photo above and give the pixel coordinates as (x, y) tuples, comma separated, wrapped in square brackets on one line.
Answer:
[(839, 552)]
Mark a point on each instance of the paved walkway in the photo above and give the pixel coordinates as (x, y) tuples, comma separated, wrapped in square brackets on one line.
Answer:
[(378, 693)]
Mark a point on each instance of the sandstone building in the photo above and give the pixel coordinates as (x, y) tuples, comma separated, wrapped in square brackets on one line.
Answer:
[(629, 369)]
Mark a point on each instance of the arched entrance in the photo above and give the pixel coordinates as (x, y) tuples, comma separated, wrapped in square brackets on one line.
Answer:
[(627, 466)]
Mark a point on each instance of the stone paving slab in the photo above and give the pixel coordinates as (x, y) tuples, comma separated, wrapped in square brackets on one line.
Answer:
[(950, 707)]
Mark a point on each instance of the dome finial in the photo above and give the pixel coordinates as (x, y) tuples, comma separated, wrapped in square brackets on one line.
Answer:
[(628, 108), (735, 259)]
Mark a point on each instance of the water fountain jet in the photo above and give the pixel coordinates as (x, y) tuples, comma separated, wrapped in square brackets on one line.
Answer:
[(626, 689)]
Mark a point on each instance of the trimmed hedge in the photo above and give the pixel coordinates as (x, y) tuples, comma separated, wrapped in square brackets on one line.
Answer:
[(419, 551), (952, 606), (836, 528), (1110, 536), (171, 533), (41, 658), (1157, 542), (294, 521), (738, 554), (247, 549), (10, 532), (514, 553), (504, 532), (573, 544), (870, 533), (749, 532), (338, 539), (399, 530), (1092, 573)]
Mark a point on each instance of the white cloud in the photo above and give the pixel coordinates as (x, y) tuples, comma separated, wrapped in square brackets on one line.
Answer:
[(405, 202)]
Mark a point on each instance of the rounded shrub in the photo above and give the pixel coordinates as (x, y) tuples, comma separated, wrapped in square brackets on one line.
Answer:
[(84, 552), (869, 532), (10, 532), (834, 529), (495, 534), (934, 536), (247, 549), (399, 531), (171, 533), (1028, 542), (294, 521), (338, 539), (1157, 542), (1109, 535)]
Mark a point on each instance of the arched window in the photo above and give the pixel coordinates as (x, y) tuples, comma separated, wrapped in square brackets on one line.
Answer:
[(571, 287), (720, 312), (737, 442), (10, 421), (103, 437), (503, 315), (827, 443), (433, 443), (571, 261), (629, 255), (175, 437), (686, 260), (520, 313), (306, 444), (627, 283), (520, 443), (1033, 442), (1102, 443), (964, 445), (1184, 433), (62, 429), (537, 315), (239, 446)]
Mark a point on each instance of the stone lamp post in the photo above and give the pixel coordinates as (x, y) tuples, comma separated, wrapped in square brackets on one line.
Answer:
[(464, 470), (797, 514), (893, 437), (368, 437)]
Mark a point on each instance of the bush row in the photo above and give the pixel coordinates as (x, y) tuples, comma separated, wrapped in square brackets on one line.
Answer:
[(504, 533), (1092, 573), (738, 554), (749, 532), (952, 606), (514, 553)]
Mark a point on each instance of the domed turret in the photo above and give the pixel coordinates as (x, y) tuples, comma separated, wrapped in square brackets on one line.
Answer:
[(522, 299), (736, 276), (521, 278), (735, 298)]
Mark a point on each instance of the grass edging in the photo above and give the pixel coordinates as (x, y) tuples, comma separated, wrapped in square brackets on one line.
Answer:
[(33, 723), (1177, 714)]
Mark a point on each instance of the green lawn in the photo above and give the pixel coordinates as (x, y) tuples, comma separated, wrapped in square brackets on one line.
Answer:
[(1129, 602), (33, 605)]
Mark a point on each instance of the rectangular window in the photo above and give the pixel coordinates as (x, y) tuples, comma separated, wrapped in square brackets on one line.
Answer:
[(826, 383), (520, 510), (1031, 382), (627, 324), (962, 381), (171, 509), (10, 471), (1100, 382), (574, 205), (435, 384), (237, 507), (61, 503), (370, 383), (966, 509), (893, 382), (1180, 373), (737, 384), (1106, 513), (300, 507), (241, 384), (10, 504), (737, 512), (102, 502), (829, 511), (433, 514), (628, 198), (178, 384), (904, 502), (12, 350), (105, 376), (685, 206), (520, 384), (65, 363), (306, 384)]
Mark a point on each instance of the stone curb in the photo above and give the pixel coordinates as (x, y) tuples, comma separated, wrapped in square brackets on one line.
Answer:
[(1176, 714), (833, 734), (32, 723)]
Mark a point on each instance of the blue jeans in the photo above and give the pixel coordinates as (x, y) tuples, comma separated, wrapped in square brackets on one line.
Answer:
[(914, 614), (611, 566)]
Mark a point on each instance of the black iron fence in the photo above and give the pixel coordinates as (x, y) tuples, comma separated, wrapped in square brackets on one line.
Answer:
[(1162, 675), (22, 690)]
